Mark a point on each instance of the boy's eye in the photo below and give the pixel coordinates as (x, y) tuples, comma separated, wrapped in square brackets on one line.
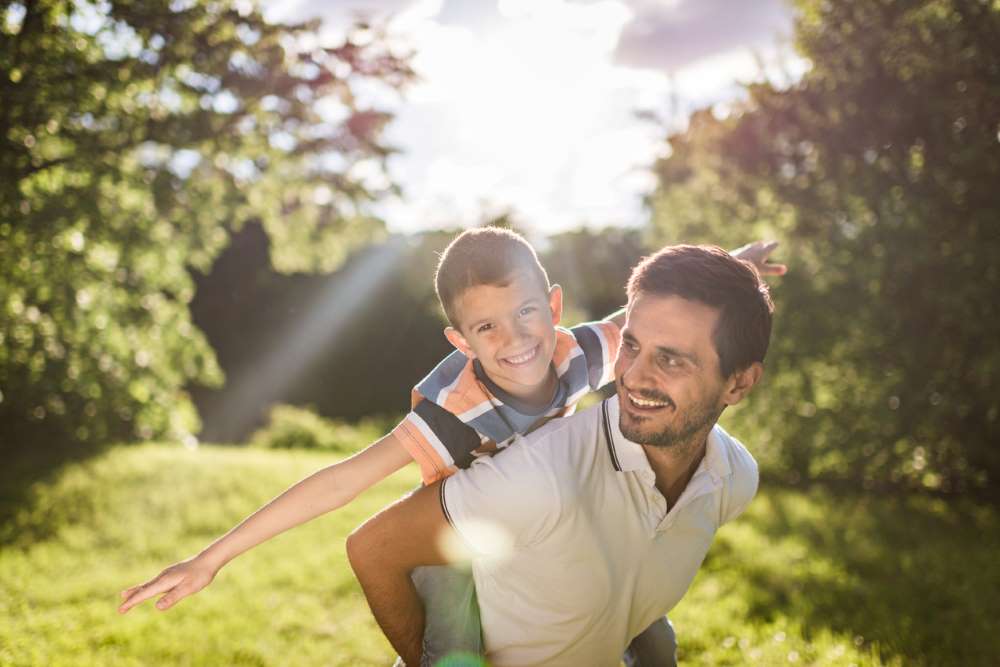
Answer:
[(527, 310), (482, 328)]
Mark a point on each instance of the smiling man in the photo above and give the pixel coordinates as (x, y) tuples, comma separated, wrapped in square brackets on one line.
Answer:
[(605, 516)]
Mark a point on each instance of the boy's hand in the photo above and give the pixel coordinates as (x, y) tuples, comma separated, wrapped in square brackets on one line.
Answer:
[(757, 253), (177, 581)]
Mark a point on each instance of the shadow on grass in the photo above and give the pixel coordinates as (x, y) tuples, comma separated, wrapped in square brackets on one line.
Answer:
[(917, 576), (27, 461)]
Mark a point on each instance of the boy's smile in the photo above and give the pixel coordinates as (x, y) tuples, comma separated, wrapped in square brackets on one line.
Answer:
[(510, 329)]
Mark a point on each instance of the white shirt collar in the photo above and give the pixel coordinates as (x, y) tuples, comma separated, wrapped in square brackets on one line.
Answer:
[(629, 456)]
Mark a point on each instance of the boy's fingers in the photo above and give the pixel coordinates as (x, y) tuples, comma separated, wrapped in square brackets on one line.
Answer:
[(128, 591), (144, 592), (170, 599)]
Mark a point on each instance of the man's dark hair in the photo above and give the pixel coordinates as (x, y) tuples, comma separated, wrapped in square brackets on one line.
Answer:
[(484, 256), (712, 276)]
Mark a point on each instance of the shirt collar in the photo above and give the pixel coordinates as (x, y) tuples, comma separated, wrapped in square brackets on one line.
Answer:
[(629, 456)]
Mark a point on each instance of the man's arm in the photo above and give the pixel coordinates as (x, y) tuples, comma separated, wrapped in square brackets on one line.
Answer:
[(385, 550)]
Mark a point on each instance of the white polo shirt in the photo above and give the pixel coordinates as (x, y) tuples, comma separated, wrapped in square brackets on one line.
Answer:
[(593, 555)]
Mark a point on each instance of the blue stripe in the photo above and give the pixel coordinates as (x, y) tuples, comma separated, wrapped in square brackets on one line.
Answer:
[(590, 343), (493, 426), (442, 376), (576, 376)]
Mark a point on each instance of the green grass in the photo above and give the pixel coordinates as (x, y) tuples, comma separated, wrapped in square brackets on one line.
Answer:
[(802, 579)]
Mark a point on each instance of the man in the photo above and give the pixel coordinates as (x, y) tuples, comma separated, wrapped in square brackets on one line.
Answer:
[(603, 517)]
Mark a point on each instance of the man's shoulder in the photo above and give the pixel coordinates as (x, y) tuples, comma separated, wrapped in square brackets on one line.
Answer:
[(740, 460), (566, 430), (738, 470), (557, 446)]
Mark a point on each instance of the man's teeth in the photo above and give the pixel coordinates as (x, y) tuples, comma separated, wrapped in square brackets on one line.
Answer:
[(642, 403), (521, 358)]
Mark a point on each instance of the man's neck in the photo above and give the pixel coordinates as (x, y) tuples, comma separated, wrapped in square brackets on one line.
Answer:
[(674, 466)]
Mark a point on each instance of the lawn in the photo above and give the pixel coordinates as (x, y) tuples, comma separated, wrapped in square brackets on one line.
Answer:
[(804, 579)]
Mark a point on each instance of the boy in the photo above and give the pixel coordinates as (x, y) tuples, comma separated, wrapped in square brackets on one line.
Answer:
[(513, 369)]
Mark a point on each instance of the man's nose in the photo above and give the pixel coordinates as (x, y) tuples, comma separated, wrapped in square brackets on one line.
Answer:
[(637, 374)]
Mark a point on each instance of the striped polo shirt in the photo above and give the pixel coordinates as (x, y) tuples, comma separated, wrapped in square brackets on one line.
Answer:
[(457, 407)]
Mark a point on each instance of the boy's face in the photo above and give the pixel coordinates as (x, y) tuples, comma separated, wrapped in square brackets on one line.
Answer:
[(510, 329)]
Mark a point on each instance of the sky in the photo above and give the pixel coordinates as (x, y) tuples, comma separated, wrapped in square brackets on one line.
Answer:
[(532, 106)]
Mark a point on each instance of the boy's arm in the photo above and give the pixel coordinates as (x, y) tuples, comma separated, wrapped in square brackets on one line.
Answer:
[(386, 549), (756, 253), (321, 492)]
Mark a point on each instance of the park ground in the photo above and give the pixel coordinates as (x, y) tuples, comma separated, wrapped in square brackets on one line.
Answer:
[(803, 578)]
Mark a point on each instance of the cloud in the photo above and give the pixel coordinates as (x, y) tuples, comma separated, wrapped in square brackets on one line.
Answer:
[(670, 35)]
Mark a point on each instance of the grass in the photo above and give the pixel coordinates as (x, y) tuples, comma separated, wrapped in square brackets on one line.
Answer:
[(802, 579)]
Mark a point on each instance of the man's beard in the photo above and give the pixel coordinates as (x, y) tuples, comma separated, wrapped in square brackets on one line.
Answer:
[(696, 418)]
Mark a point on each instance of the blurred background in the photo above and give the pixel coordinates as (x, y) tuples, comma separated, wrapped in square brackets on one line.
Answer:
[(219, 223)]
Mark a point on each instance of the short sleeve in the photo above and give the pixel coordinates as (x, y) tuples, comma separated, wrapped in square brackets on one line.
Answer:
[(599, 342), (742, 484), (506, 501), (437, 440)]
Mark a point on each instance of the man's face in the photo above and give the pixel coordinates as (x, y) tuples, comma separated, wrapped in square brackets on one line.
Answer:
[(510, 329), (669, 387)]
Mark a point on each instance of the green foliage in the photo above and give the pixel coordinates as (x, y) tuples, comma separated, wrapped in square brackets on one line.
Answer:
[(135, 135), (801, 579), (593, 267), (878, 173), (291, 427)]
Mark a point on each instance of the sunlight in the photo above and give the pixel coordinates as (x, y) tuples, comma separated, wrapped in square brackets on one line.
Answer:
[(525, 106), (255, 388)]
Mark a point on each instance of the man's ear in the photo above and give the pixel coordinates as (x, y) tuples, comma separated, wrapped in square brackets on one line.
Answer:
[(555, 303), (741, 382), (455, 337)]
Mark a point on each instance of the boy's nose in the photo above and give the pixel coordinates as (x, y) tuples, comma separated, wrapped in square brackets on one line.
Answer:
[(515, 333)]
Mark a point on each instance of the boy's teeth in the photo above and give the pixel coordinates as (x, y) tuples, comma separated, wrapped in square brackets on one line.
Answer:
[(642, 403), (521, 358)]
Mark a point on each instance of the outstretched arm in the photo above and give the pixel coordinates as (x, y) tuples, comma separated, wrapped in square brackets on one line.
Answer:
[(321, 492), (386, 549)]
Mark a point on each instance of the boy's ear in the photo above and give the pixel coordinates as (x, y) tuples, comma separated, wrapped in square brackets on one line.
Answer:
[(741, 382), (555, 303), (455, 337)]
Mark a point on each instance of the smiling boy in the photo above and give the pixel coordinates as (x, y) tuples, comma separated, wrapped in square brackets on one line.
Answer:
[(513, 369)]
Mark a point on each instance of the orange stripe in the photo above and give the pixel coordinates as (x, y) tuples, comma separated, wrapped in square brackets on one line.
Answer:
[(467, 394), (432, 467)]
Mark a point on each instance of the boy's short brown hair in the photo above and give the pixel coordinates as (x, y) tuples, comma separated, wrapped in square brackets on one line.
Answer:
[(710, 275), (484, 256)]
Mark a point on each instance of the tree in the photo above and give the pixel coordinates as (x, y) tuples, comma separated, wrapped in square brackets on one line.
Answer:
[(135, 137), (879, 172)]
